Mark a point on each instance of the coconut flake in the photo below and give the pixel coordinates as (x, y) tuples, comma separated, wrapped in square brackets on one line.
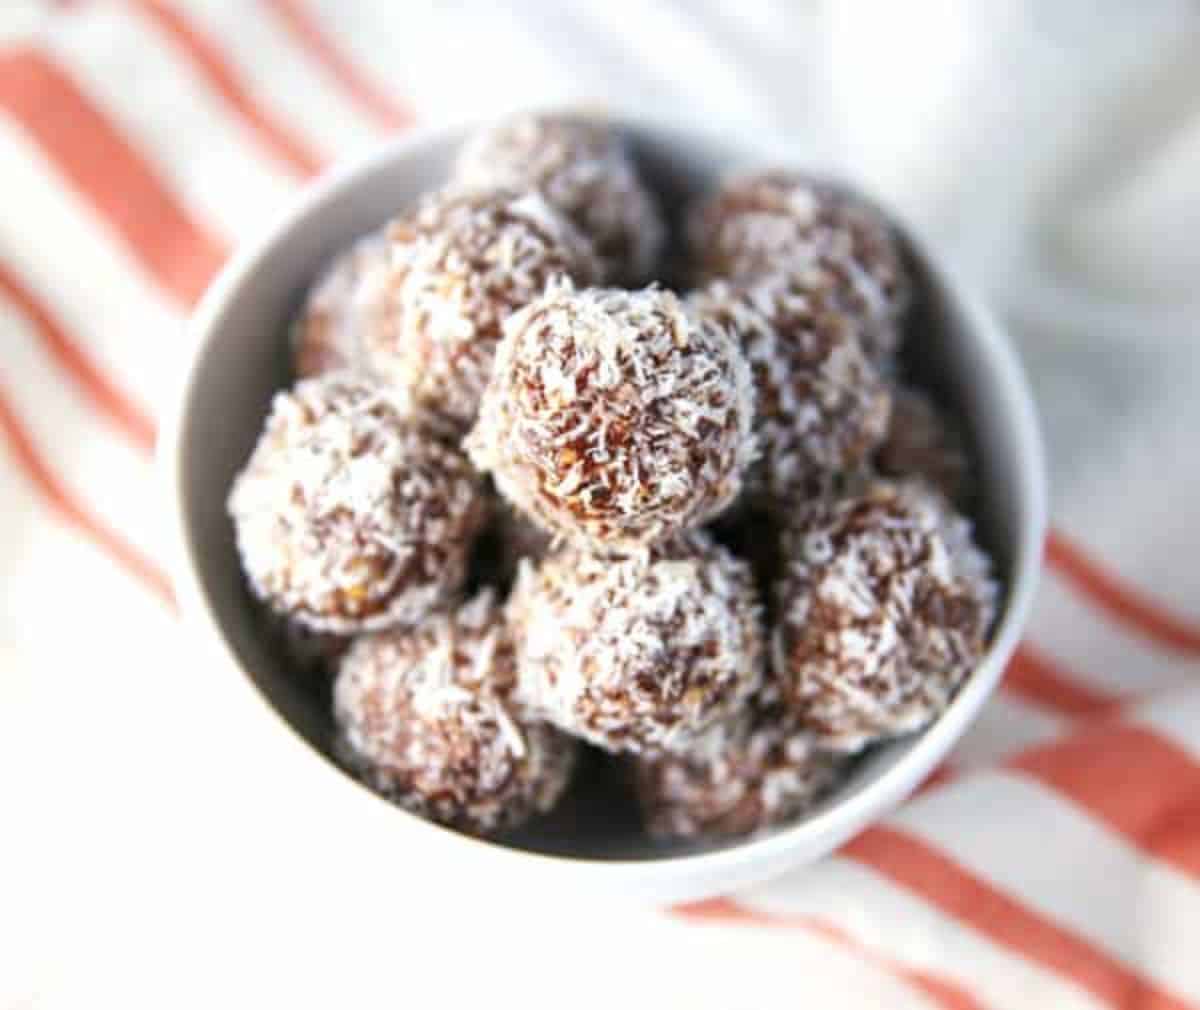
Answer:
[(614, 417), (813, 232), (426, 718), (460, 263), (584, 171), (351, 513), (880, 625), (639, 653)]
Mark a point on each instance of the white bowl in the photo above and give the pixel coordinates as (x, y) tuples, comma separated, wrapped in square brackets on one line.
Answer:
[(239, 360)]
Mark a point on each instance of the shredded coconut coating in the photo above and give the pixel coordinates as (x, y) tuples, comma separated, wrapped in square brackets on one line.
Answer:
[(615, 418), (426, 720), (460, 263), (922, 442), (822, 405), (816, 233), (346, 301), (350, 515), (637, 654), (884, 608), (583, 168), (760, 769)]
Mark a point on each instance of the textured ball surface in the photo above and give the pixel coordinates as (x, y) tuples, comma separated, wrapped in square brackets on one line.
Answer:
[(922, 442), (460, 263), (426, 720), (346, 301), (583, 169), (817, 234), (614, 417), (884, 608), (349, 514), (759, 769), (821, 404), (641, 653)]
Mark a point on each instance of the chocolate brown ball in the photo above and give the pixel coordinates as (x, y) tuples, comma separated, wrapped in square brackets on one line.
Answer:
[(615, 418), (583, 169), (426, 720), (923, 442), (346, 301), (461, 263), (819, 235), (760, 769), (350, 515), (883, 610), (822, 406), (637, 654)]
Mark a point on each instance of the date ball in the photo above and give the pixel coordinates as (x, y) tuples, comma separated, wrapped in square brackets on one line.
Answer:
[(346, 301), (350, 515), (884, 608), (425, 719), (816, 233), (637, 654), (616, 418), (922, 442), (822, 406), (760, 769), (583, 168), (460, 264)]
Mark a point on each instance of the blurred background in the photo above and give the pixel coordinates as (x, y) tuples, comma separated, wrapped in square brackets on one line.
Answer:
[(1051, 148)]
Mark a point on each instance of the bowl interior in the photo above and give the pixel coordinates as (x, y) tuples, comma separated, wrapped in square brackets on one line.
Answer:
[(242, 361)]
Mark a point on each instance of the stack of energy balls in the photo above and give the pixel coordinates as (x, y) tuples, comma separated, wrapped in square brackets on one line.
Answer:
[(521, 503)]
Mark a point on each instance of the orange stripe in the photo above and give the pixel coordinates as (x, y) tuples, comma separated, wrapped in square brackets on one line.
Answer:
[(70, 510), (1137, 782), (76, 362), (95, 160), (1131, 778), (221, 78), (936, 878), (943, 992), (1127, 605), (1034, 678), (305, 30)]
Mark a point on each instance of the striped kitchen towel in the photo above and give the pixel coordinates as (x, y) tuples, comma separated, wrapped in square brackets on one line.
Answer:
[(1054, 863)]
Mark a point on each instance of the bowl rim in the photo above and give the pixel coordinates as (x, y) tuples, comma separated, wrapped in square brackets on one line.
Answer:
[(820, 831)]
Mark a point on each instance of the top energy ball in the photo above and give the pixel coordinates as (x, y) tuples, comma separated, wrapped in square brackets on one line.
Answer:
[(583, 169), (814, 233), (615, 418)]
